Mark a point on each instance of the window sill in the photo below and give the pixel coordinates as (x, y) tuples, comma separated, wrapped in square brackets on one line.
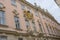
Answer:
[(2, 25), (19, 29)]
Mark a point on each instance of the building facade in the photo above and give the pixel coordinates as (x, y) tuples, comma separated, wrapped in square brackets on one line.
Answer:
[(20, 20), (58, 2)]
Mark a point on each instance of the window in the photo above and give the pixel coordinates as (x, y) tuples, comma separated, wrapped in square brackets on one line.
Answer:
[(17, 22), (48, 28), (2, 19), (33, 24), (13, 2), (36, 13), (27, 23), (20, 38), (40, 26), (3, 38), (51, 29), (22, 6)]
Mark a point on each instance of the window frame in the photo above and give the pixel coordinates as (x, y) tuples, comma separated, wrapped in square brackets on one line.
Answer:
[(17, 22), (2, 17), (27, 22), (33, 24)]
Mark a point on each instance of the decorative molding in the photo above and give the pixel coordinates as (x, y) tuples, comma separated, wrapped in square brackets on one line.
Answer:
[(2, 6), (28, 15), (15, 12)]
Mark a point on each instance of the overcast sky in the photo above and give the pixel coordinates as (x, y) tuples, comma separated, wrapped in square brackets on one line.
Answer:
[(50, 5)]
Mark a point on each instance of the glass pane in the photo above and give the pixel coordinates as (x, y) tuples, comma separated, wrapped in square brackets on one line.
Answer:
[(2, 21), (18, 25), (16, 19)]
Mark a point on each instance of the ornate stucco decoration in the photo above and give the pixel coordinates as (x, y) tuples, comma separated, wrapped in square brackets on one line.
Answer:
[(2, 6), (28, 15), (15, 12), (30, 31)]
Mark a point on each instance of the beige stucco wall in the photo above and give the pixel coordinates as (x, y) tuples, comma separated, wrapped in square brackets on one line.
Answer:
[(9, 18)]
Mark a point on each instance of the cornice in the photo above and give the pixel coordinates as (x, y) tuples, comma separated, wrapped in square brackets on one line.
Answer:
[(40, 10)]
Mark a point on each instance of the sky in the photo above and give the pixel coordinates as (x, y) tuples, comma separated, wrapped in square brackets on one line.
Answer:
[(50, 5)]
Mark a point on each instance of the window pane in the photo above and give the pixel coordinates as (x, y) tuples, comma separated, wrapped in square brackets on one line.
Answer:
[(1, 13), (2, 21)]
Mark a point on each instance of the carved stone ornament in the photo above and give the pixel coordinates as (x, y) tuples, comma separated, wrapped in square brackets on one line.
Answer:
[(15, 12), (28, 15), (1, 6)]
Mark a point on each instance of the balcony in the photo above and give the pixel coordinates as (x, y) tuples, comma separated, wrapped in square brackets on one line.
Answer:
[(6, 29)]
